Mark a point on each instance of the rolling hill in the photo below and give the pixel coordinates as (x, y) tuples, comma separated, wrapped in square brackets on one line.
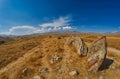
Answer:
[(46, 57)]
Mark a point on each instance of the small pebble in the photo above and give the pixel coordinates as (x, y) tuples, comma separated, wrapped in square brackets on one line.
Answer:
[(43, 70), (72, 73), (36, 77)]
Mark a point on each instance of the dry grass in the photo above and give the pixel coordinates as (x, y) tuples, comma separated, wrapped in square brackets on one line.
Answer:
[(114, 42), (49, 45)]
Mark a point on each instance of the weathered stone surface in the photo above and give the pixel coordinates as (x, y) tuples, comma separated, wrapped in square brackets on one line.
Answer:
[(36, 77), (43, 70), (96, 54), (55, 58), (79, 45), (72, 73)]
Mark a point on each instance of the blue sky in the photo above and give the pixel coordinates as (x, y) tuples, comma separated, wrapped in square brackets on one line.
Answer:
[(34, 16)]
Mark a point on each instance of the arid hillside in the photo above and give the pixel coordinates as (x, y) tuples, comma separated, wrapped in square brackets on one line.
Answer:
[(48, 57)]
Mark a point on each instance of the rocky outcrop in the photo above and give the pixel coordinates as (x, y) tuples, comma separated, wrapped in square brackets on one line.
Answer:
[(96, 52)]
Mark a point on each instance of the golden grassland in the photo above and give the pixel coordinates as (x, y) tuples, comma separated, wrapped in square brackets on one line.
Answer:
[(20, 45), (17, 47)]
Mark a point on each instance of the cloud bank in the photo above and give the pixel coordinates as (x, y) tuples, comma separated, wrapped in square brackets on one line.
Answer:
[(62, 23)]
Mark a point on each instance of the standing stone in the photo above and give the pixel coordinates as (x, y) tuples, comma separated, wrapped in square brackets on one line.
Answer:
[(96, 54), (79, 44)]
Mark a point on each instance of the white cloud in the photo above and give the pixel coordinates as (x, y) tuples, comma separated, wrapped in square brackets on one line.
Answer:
[(61, 23), (58, 24), (67, 28), (23, 30)]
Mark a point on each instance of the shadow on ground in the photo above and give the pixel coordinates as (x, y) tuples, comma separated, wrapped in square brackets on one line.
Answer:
[(106, 64)]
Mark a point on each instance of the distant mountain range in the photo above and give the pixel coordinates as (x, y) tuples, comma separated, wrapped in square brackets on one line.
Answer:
[(4, 35), (115, 32)]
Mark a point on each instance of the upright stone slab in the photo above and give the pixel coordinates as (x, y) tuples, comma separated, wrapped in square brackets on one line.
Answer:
[(96, 54), (79, 44)]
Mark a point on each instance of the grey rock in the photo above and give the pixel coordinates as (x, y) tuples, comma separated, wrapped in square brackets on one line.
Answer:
[(72, 73), (42, 70), (96, 53), (55, 58), (36, 77), (79, 44)]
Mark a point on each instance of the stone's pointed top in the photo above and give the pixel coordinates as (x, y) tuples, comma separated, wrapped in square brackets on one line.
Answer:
[(103, 37), (101, 40)]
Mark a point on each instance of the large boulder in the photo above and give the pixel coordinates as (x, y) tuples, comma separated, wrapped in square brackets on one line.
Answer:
[(96, 54), (79, 44)]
